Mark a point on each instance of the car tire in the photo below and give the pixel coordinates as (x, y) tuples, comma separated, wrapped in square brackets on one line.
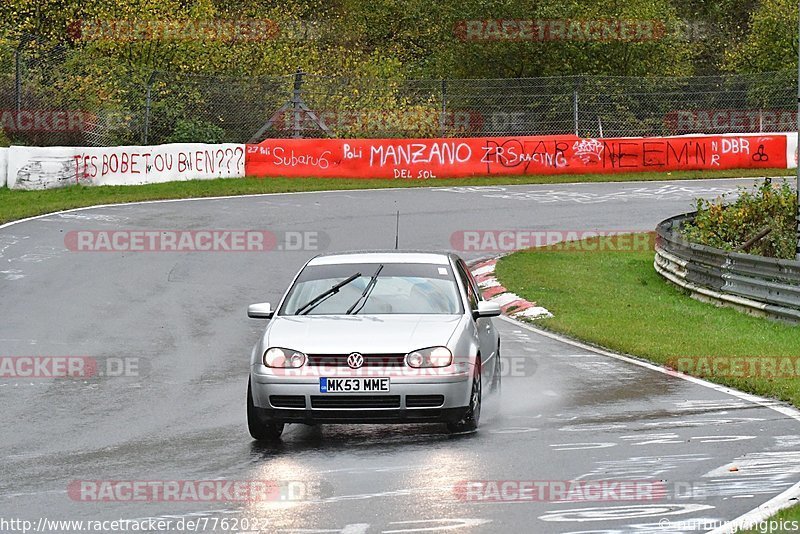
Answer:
[(471, 419), (259, 429)]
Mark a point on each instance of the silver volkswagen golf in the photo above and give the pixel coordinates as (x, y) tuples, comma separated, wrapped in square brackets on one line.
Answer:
[(375, 337)]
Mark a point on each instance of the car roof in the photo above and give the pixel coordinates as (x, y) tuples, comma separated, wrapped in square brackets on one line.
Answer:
[(383, 256)]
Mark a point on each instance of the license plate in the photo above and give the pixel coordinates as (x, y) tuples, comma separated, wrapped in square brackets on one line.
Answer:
[(353, 385)]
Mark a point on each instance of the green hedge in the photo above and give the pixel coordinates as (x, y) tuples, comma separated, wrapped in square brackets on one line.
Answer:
[(728, 225)]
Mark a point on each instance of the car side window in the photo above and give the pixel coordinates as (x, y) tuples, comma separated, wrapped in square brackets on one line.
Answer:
[(468, 286), (474, 284)]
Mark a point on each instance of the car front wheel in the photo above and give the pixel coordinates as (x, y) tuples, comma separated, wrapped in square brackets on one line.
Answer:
[(260, 430), (472, 417)]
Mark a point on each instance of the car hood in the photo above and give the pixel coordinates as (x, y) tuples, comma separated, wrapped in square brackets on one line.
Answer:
[(365, 333)]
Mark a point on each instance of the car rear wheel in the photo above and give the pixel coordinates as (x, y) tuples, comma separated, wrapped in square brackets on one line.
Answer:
[(260, 430), (472, 416)]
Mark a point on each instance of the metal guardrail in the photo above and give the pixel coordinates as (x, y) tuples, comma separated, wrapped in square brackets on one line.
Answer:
[(757, 285)]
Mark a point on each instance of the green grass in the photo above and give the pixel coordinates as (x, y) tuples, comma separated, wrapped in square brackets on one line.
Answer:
[(20, 204), (616, 300)]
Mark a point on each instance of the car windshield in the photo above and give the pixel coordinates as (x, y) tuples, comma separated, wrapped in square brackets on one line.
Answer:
[(399, 288)]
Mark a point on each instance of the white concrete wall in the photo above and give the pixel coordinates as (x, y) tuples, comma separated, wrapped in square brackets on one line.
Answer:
[(52, 167), (3, 165)]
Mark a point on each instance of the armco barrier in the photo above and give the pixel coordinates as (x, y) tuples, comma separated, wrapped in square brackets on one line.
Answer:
[(453, 158), (51, 167), (755, 284)]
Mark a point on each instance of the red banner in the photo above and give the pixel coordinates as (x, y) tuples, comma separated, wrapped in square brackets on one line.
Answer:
[(454, 158)]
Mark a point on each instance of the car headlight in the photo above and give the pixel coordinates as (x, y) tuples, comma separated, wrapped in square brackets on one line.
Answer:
[(430, 357), (278, 357)]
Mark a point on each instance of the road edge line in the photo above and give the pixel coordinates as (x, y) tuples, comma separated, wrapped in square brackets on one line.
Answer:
[(763, 511)]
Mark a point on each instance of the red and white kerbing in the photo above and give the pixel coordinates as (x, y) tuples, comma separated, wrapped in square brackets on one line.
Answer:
[(512, 304)]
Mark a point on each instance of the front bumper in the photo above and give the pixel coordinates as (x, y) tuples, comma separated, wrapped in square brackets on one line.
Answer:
[(415, 399)]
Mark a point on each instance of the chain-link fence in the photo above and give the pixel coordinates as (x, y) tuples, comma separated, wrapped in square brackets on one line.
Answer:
[(45, 99)]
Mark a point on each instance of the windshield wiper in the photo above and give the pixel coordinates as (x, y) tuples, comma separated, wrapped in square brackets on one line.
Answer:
[(316, 301), (365, 294)]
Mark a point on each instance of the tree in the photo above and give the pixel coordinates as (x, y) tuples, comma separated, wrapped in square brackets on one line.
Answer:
[(771, 44)]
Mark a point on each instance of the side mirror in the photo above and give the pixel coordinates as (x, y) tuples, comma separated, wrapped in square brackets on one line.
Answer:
[(260, 311), (487, 309)]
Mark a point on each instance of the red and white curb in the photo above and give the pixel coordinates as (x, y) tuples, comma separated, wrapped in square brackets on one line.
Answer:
[(512, 305)]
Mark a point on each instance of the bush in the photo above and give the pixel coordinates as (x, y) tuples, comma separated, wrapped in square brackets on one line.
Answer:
[(195, 131), (728, 226)]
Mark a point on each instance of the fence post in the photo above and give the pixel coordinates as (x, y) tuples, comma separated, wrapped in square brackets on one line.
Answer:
[(148, 101), (442, 121), (575, 105), (18, 81), (797, 211), (296, 101)]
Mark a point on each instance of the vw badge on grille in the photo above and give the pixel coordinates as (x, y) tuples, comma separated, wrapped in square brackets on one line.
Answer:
[(355, 360)]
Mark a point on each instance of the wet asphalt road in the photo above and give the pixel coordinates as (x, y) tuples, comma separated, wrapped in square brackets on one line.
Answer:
[(566, 412)]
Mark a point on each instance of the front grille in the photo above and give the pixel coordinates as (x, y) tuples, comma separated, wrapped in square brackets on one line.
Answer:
[(370, 360), (355, 401), (424, 401), (287, 401)]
